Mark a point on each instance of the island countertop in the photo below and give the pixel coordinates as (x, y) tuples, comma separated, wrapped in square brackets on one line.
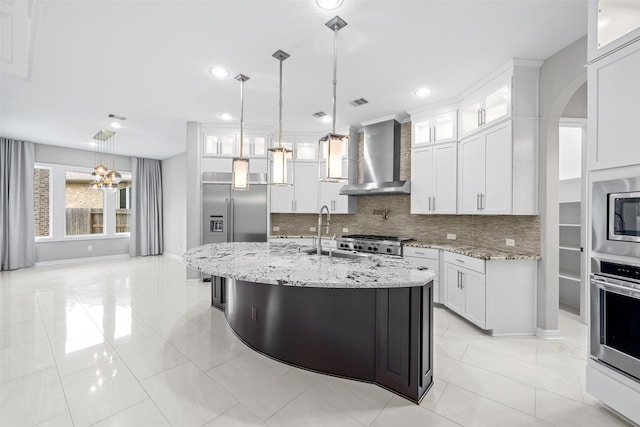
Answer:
[(289, 264)]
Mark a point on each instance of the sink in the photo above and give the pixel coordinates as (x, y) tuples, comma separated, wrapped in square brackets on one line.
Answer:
[(338, 253)]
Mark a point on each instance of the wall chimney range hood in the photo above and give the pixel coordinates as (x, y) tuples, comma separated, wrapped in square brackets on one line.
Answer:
[(381, 161)]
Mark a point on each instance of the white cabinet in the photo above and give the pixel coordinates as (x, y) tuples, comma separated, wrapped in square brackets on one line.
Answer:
[(331, 197), (511, 91), (302, 197), (612, 25), (426, 257), (485, 172), (465, 287), (614, 109), (433, 127), (497, 170), (496, 295), (486, 107), (222, 143), (434, 179)]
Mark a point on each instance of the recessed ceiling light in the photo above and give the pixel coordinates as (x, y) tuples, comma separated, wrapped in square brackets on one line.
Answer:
[(226, 116), (219, 72), (326, 119), (115, 125), (329, 4), (422, 92)]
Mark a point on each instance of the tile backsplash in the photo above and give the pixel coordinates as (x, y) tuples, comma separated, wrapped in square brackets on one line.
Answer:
[(471, 230)]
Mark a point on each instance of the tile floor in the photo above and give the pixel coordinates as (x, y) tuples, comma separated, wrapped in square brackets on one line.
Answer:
[(130, 342)]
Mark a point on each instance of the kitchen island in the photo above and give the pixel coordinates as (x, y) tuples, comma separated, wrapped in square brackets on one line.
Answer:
[(367, 318)]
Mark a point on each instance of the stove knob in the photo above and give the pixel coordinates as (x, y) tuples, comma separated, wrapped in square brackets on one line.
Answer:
[(375, 249), (389, 250), (369, 248), (360, 247)]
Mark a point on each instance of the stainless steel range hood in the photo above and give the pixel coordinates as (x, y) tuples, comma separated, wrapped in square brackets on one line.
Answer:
[(381, 162)]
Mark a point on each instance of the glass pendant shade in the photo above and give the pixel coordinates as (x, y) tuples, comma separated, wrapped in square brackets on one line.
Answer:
[(95, 186), (240, 174), (279, 172), (114, 176), (101, 169), (332, 146)]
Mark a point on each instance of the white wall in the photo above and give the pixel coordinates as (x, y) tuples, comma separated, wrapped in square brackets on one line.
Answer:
[(77, 248), (174, 183), (577, 106), (561, 76)]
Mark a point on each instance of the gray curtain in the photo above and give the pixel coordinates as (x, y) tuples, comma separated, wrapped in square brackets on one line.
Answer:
[(146, 208), (17, 235)]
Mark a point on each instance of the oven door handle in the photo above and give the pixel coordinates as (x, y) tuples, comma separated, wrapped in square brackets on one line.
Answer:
[(618, 289)]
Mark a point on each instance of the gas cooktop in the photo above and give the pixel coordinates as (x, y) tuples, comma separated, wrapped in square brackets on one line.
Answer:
[(390, 245)]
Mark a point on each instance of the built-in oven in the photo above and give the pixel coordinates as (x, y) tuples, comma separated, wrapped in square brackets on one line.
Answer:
[(615, 315), (616, 217)]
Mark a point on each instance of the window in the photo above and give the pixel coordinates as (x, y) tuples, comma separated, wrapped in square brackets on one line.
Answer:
[(123, 205), (42, 201), (84, 207)]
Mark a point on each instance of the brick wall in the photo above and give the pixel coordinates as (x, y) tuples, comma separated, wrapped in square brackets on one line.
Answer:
[(41, 201)]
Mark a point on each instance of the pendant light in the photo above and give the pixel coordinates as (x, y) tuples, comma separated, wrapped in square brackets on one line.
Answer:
[(102, 178), (280, 153), (240, 166), (333, 145)]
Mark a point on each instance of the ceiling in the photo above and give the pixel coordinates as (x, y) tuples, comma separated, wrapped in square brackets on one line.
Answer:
[(149, 61)]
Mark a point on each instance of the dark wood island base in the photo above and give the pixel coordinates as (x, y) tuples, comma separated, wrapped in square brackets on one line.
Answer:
[(378, 335)]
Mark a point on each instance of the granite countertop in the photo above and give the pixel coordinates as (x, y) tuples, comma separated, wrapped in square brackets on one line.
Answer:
[(476, 251), (287, 263), (472, 251)]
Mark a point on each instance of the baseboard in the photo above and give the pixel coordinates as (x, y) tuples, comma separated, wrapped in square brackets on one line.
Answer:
[(548, 334), (74, 260)]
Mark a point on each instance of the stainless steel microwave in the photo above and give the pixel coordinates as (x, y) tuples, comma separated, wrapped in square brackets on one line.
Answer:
[(615, 217)]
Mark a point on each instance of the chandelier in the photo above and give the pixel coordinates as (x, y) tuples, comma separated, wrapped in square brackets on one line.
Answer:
[(102, 178)]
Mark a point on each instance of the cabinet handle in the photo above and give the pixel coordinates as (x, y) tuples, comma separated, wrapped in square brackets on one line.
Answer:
[(434, 203), (484, 116), (461, 285), (479, 117), (477, 201), (429, 199), (460, 260), (333, 205), (482, 201), (435, 135)]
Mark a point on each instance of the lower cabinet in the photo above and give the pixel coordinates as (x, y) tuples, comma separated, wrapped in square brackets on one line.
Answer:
[(429, 258), (496, 295), (465, 289), (404, 340)]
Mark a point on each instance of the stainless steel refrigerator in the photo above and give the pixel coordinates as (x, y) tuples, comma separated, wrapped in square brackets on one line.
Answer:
[(233, 215)]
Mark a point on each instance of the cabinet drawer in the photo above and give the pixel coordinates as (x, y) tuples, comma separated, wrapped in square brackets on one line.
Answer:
[(409, 251), (474, 264)]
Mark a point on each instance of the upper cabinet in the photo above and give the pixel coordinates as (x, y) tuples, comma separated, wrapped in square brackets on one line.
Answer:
[(223, 142), (434, 126), (613, 24), (433, 179), (512, 91)]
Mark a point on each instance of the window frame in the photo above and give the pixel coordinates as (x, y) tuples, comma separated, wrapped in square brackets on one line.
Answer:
[(57, 207)]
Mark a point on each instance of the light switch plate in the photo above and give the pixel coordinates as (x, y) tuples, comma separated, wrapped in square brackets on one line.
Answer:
[(276, 228), (345, 230), (312, 229), (451, 236), (510, 242)]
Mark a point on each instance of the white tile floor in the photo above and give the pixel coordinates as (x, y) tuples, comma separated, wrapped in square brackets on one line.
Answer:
[(130, 342)]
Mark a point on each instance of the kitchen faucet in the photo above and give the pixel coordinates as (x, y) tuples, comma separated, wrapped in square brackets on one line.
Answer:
[(322, 209)]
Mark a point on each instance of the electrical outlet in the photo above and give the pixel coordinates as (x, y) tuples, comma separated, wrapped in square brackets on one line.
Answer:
[(510, 242), (345, 230), (451, 236), (276, 228), (312, 229), (89, 248)]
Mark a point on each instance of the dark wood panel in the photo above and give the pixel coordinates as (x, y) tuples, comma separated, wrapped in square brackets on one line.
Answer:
[(218, 290), (327, 330)]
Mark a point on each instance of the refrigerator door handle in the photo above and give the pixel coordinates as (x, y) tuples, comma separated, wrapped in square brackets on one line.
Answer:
[(231, 224), (226, 213)]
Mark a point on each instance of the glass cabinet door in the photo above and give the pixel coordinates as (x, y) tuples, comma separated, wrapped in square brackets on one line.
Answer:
[(470, 116), (496, 104), (219, 145), (306, 150), (422, 132), (444, 127), (227, 145)]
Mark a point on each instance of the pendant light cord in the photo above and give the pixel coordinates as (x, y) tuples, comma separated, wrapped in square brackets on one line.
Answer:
[(335, 73)]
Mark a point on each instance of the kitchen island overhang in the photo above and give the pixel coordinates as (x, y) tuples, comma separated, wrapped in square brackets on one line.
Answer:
[(368, 319)]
